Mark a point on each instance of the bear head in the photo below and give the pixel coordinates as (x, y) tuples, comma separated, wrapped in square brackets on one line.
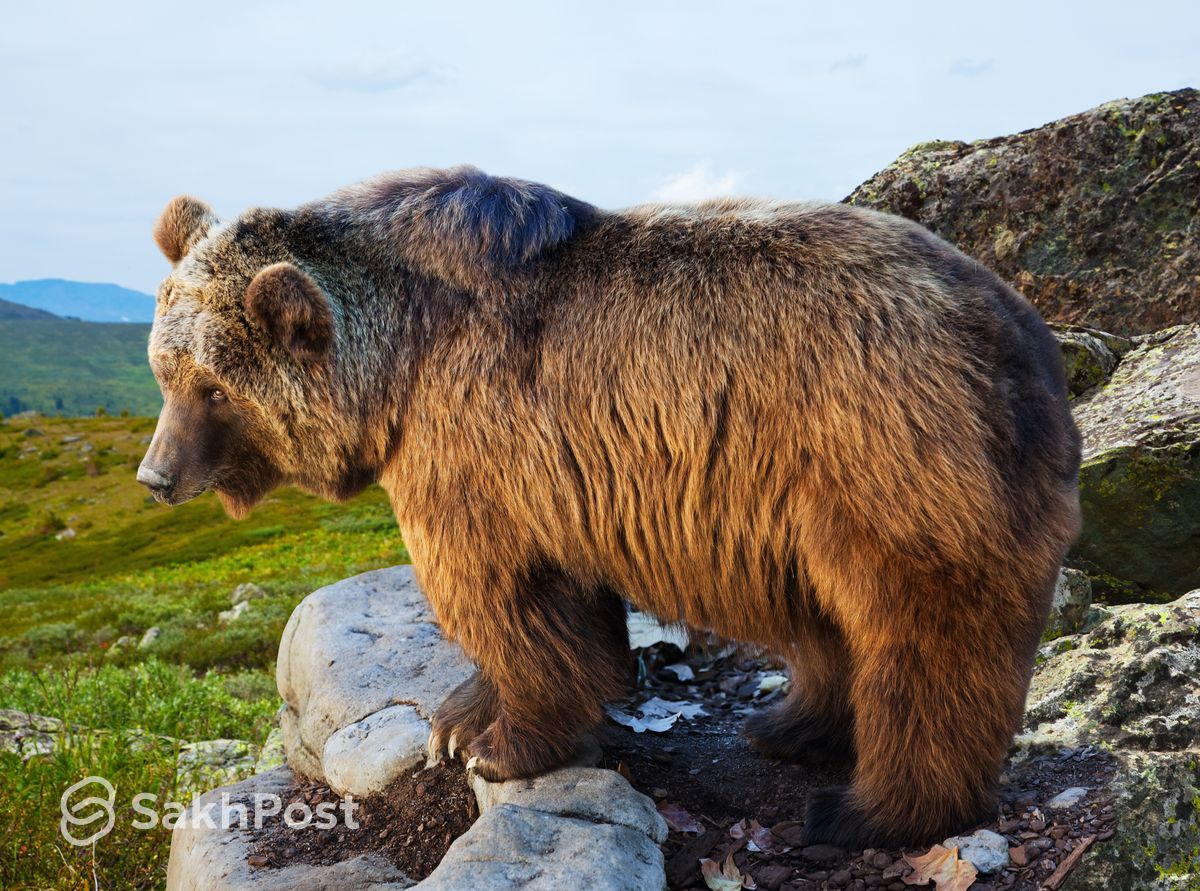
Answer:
[(277, 334), (241, 349)]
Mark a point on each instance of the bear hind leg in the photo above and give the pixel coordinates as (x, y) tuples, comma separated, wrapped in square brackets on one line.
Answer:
[(814, 722), (938, 692)]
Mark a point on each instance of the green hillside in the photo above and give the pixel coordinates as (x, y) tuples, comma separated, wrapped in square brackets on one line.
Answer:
[(89, 564), (64, 366)]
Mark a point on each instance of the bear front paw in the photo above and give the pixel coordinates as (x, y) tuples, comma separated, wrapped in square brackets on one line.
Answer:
[(465, 714)]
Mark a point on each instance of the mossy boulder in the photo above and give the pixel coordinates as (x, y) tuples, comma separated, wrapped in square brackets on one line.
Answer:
[(1095, 217), (1140, 480), (1090, 356), (1130, 687)]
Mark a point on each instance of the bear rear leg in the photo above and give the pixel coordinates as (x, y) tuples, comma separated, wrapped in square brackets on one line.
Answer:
[(937, 694), (561, 653), (814, 722)]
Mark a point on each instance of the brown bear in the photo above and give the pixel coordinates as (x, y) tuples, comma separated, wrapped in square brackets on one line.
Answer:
[(811, 427)]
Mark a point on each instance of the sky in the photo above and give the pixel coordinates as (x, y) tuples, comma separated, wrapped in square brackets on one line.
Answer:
[(109, 109)]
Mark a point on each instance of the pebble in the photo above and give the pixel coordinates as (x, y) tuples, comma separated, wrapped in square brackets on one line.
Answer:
[(1018, 855), (257, 860), (986, 849), (1067, 798), (880, 860), (841, 878)]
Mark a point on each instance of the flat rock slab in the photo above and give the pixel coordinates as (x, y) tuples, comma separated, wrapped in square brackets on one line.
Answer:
[(512, 847), (353, 649)]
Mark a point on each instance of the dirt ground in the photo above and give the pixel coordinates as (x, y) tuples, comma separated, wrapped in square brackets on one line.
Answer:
[(702, 769), (411, 823), (706, 768)]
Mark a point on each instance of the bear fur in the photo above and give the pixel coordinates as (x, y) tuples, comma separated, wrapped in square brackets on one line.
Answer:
[(811, 427)]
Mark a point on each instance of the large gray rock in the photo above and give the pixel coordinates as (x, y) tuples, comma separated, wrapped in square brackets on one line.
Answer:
[(1089, 356), (204, 858), (1131, 686), (362, 667), (585, 793), (353, 649), (1093, 217), (1071, 605), (511, 848), (1140, 481), (1131, 682)]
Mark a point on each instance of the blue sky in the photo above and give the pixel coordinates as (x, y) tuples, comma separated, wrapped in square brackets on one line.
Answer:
[(111, 108)]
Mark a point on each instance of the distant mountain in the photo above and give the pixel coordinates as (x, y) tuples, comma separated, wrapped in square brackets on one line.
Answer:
[(64, 366), (10, 311), (89, 301)]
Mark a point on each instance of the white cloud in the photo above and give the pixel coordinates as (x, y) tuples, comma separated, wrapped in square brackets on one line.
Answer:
[(697, 183)]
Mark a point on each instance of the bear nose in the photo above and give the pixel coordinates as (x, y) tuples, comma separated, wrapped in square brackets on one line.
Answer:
[(153, 480)]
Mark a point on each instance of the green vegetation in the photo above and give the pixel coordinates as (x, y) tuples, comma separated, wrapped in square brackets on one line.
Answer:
[(63, 366), (87, 565)]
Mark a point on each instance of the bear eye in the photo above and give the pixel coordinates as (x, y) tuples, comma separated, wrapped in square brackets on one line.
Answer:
[(216, 395)]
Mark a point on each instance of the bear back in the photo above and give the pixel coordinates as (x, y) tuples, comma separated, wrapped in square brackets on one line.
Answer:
[(460, 224)]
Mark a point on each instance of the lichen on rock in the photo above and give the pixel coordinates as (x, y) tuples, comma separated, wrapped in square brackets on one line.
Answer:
[(1140, 480), (1093, 217)]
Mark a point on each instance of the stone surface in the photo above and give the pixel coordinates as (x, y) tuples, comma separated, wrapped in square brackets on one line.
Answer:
[(214, 762), (205, 858), (234, 613), (1093, 217), (586, 793), (1156, 797), (246, 591), (1072, 603), (1132, 682), (1089, 356), (986, 849), (1066, 798), (366, 756), (148, 640), (27, 734), (1130, 686), (355, 648), (512, 847), (1140, 481)]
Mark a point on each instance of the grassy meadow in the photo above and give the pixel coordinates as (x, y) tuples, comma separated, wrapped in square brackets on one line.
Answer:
[(87, 564), (65, 366)]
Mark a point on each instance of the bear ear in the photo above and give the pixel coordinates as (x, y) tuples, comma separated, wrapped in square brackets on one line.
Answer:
[(292, 310), (184, 222)]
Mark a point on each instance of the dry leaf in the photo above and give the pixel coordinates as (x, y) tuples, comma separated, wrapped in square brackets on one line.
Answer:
[(942, 867), (725, 878), (646, 631), (641, 725), (656, 707), (771, 682), (758, 838), (681, 670), (678, 818)]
